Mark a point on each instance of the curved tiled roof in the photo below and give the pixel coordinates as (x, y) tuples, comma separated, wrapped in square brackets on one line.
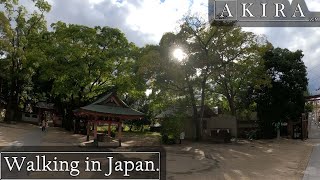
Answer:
[(110, 104)]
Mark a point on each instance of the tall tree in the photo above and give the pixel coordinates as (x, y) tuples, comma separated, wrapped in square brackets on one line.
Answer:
[(284, 100), (83, 62), (216, 59), (19, 30), (227, 60), (240, 66)]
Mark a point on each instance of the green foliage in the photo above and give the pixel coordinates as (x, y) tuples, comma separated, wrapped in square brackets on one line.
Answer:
[(165, 139), (73, 64), (82, 63), (137, 124), (70, 65), (284, 100), (21, 34), (240, 69), (87, 61), (223, 62), (171, 127), (309, 107)]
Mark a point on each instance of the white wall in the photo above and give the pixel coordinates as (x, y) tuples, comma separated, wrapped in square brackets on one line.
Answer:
[(32, 118)]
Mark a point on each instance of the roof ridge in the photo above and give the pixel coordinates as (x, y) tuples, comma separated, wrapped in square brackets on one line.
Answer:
[(102, 98)]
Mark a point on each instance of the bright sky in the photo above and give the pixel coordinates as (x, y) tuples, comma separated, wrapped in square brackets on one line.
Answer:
[(145, 21)]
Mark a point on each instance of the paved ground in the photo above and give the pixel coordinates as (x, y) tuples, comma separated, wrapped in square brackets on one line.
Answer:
[(285, 159), (11, 133), (313, 169), (257, 160), (33, 138)]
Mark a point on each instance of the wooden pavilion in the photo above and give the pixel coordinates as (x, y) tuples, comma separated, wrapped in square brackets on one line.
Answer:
[(107, 110), (45, 108)]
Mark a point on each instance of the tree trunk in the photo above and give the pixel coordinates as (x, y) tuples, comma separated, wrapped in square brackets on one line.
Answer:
[(197, 122), (233, 112), (12, 106), (9, 112), (12, 113), (203, 96), (195, 111)]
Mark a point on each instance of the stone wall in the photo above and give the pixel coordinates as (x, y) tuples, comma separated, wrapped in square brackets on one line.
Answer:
[(30, 118)]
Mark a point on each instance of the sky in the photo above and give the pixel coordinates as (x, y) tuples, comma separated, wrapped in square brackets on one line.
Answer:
[(145, 21)]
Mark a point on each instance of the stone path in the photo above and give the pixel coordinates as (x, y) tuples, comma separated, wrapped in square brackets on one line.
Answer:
[(313, 169), (33, 138), (207, 161)]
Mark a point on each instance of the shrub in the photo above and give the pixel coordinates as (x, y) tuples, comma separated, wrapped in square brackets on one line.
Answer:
[(165, 139), (113, 134), (171, 128)]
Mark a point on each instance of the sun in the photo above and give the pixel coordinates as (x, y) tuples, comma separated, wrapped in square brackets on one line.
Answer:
[(179, 54)]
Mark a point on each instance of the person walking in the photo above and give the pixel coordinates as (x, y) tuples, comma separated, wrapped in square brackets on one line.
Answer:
[(43, 123)]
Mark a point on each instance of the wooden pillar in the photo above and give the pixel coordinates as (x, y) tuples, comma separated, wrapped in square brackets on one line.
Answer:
[(74, 126), (88, 131), (109, 129), (120, 132), (95, 126), (95, 132), (40, 117)]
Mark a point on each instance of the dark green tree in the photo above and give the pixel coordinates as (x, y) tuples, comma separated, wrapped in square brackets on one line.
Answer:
[(20, 32), (218, 59), (284, 99), (83, 62)]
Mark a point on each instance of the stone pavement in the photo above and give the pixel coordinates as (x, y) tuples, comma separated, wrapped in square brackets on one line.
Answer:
[(33, 138), (313, 169)]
